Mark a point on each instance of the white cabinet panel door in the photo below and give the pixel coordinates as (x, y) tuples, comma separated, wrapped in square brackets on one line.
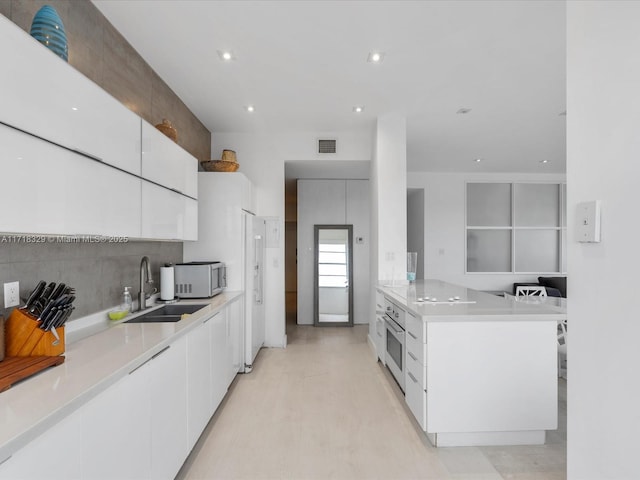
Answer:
[(168, 392), (116, 430), (55, 191), (219, 358), (166, 163), (199, 394), (53, 100), (53, 455), (416, 399), (234, 340), (168, 215)]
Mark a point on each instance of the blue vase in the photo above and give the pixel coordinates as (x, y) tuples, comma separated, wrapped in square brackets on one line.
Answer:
[(48, 29)]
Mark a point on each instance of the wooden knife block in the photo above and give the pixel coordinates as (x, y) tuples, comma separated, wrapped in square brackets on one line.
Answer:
[(24, 339)]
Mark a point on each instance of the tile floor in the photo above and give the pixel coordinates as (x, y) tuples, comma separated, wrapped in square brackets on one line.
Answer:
[(324, 409)]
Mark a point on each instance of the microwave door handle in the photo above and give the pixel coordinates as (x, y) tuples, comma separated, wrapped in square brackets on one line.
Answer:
[(222, 277)]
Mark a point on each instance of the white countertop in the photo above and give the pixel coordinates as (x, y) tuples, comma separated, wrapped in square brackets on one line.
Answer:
[(471, 305), (91, 366)]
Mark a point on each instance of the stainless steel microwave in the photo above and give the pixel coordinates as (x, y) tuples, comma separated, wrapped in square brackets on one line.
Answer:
[(200, 279)]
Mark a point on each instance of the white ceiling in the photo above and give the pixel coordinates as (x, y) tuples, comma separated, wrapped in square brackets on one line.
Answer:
[(303, 64)]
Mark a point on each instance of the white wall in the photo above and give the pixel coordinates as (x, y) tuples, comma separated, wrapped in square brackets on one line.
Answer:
[(444, 255), (415, 226), (603, 152), (329, 202), (261, 157)]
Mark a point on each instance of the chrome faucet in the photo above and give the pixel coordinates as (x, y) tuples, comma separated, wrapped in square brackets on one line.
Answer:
[(142, 296)]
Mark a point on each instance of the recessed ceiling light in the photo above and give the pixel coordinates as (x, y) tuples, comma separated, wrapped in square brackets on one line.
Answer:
[(544, 161), (250, 108), (375, 57), (463, 111), (358, 109), (477, 160), (75, 109), (226, 55)]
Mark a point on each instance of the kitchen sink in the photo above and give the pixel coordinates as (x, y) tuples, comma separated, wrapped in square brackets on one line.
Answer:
[(168, 313)]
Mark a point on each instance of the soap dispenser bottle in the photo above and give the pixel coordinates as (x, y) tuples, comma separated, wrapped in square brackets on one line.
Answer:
[(127, 301)]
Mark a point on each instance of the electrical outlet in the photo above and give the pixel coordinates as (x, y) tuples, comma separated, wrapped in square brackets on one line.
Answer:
[(11, 294)]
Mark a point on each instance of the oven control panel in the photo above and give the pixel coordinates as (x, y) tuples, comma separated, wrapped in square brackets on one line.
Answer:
[(394, 312)]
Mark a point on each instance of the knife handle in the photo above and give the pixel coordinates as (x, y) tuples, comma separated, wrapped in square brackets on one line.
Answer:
[(35, 293)]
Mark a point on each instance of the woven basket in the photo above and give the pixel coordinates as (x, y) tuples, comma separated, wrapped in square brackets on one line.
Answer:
[(219, 166), (168, 129)]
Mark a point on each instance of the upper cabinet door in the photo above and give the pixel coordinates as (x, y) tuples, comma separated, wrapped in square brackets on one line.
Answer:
[(166, 163), (167, 215), (45, 96), (55, 191)]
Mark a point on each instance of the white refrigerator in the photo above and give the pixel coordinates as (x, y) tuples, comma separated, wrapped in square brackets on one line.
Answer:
[(230, 232)]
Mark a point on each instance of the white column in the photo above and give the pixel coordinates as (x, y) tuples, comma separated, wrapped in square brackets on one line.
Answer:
[(603, 152)]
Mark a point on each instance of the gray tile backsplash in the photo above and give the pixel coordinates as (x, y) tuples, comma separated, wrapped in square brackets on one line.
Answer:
[(98, 272)]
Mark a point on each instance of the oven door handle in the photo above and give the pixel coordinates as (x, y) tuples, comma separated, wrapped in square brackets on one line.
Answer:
[(391, 325)]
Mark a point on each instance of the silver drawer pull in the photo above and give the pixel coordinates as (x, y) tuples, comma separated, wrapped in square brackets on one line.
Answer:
[(412, 335), (412, 377), (161, 351), (412, 356)]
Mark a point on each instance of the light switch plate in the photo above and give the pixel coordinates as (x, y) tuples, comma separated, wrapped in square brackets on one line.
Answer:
[(588, 222)]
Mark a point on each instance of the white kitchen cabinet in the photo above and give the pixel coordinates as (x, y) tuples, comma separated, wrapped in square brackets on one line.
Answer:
[(416, 368), (140, 422), (199, 388), (222, 198), (235, 332), (416, 398), (166, 163), (116, 430), (49, 98), (55, 191), (208, 371), (167, 215), (53, 455), (168, 403), (380, 329), (219, 358)]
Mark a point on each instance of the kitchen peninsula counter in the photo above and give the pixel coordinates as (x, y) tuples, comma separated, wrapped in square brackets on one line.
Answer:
[(479, 369), (471, 305)]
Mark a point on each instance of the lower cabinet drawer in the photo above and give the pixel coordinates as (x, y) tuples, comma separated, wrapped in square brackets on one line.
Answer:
[(417, 349), (415, 372), (415, 328), (416, 399), (381, 339)]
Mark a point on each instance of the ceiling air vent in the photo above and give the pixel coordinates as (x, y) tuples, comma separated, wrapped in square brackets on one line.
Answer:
[(326, 146)]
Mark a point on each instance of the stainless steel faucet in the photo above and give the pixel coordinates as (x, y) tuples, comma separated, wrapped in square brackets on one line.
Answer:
[(142, 297)]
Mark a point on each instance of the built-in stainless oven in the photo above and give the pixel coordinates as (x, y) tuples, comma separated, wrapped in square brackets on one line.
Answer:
[(394, 356)]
